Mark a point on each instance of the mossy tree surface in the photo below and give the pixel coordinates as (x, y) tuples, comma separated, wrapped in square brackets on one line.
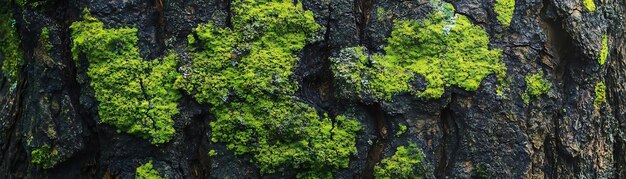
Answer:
[(504, 9), (134, 95), (146, 171), (604, 53), (45, 156), (405, 163), (589, 5), (11, 44), (445, 48), (536, 85), (245, 74), (600, 94)]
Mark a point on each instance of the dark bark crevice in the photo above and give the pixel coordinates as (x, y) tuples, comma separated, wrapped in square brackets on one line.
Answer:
[(450, 142), (376, 153)]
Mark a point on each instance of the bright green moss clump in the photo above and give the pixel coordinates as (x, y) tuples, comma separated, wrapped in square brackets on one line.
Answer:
[(245, 74), (536, 85), (604, 53), (446, 49), (589, 5), (504, 9), (146, 171), (405, 163), (10, 51), (134, 95), (45, 156), (600, 94)]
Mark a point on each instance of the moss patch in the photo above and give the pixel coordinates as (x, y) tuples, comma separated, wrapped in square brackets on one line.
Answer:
[(11, 43), (146, 171), (536, 85), (589, 5), (134, 95), (600, 94), (405, 163), (401, 130), (504, 9), (245, 74), (45, 156), (604, 53), (446, 49)]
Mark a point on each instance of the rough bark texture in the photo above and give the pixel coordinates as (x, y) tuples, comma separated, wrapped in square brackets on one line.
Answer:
[(463, 134)]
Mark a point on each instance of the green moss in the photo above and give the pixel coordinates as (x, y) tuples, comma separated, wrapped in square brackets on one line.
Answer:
[(11, 51), (504, 9), (245, 74), (604, 53), (536, 85), (589, 5), (405, 163), (44, 37), (146, 171), (212, 153), (45, 156), (402, 129), (446, 49), (600, 94), (134, 95)]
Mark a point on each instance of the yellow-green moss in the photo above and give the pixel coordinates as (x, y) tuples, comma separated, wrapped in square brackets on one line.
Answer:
[(604, 53), (146, 171), (11, 50), (589, 5), (446, 49), (504, 9), (536, 85), (600, 94), (401, 130), (44, 37), (245, 74), (134, 95), (405, 163), (45, 156)]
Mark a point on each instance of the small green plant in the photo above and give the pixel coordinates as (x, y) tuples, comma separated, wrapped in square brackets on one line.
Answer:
[(600, 94), (405, 163), (45, 156), (504, 9), (11, 50), (245, 74), (604, 53), (402, 129), (536, 85), (146, 171), (589, 5), (446, 49), (134, 95)]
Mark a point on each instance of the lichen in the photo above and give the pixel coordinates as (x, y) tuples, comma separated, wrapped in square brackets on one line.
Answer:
[(536, 85), (589, 5), (405, 163), (45, 156), (445, 48), (504, 10), (245, 74), (604, 53), (11, 52), (134, 95), (600, 94), (146, 171)]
